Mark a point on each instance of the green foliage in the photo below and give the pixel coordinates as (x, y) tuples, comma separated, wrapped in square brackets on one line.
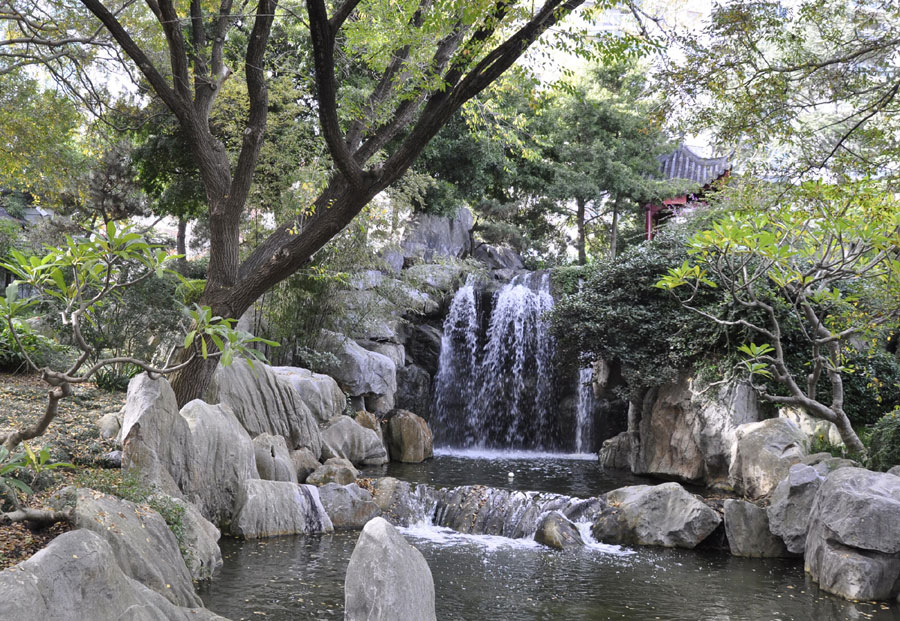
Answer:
[(821, 444), (40, 348), (884, 442), (11, 464), (39, 462), (115, 378), (872, 387)]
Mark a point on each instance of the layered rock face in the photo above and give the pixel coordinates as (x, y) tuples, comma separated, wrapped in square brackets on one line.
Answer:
[(346, 438), (853, 544), (319, 392), (387, 578), (555, 531)]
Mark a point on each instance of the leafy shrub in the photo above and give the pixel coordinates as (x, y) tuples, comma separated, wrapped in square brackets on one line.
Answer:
[(39, 348), (884, 443), (115, 378)]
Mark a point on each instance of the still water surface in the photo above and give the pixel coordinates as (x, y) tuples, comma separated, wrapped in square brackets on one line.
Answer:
[(479, 578)]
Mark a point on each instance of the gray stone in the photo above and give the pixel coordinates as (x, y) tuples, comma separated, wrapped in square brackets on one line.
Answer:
[(409, 438), (393, 259), (334, 470), (348, 506), (747, 528), (273, 508), (387, 579), (555, 531), (305, 463), (265, 403), (273, 461), (379, 404), (442, 277), (764, 453), (895, 471), (109, 426), (814, 428), (368, 315), (366, 279), (826, 462), (621, 452), (414, 390), (359, 371), (662, 515), (498, 258), (424, 347), (399, 502), (318, 391), (790, 504), (394, 351), (77, 576), (369, 421), (199, 540), (853, 544), (141, 541), (113, 459), (346, 438), (428, 235)]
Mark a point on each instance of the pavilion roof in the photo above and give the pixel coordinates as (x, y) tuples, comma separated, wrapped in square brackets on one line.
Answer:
[(683, 163)]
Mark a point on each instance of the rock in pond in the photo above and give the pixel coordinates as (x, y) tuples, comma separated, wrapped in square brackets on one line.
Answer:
[(348, 506), (334, 470), (791, 503), (77, 576), (555, 531), (346, 438), (409, 438), (273, 461), (747, 528), (273, 508), (400, 503), (764, 453), (655, 515), (387, 579), (853, 544)]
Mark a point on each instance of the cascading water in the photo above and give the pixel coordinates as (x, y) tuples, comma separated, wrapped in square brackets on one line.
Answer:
[(497, 390), (584, 414)]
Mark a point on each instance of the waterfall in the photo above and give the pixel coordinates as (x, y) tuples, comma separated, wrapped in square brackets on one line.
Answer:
[(584, 414), (497, 389)]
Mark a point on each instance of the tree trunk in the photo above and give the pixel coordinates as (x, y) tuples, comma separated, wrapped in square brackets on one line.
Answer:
[(614, 231), (579, 221), (181, 246)]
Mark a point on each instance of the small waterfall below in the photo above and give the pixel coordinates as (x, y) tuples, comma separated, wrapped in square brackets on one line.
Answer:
[(584, 414), (495, 386)]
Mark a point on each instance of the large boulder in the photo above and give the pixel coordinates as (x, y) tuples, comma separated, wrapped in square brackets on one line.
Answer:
[(78, 576), (272, 508), (621, 452), (764, 453), (853, 544), (395, 351), (346, 438), (414, 390), (304, 462), (348, 506), (815, 429), (360, 372), (443, 277), (198, 539), (387, 578), (318, 391), (689, 436), (143, 545), (201, 453), (265, 403), (661, 515), (747, 529), (424, 347), (273, 460), (555, 531), (790, 504), (498, 257), (428, 236), (409, 438), (334, 470)]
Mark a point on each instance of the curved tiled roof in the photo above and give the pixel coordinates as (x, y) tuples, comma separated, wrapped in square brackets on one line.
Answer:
[(685, 164)]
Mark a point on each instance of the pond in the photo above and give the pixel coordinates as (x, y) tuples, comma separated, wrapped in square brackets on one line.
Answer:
[(481, 577)]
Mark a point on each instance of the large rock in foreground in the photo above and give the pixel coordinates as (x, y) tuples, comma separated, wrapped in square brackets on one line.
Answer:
[(764, 453), (853, 544), (265, 403), (409, 438), (272, 508), (346, 438), (387, 578), (655, 515), (77, 576), (747, 528)]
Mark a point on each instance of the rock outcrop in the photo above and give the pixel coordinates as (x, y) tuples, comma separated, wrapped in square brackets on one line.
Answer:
[(399, 502), (429, 236), (764, 453), (360, 372), (346, 438), (555, 531), (348, 506), (305, 463), (747, 529), (387, 578), (263, 402), (272, 508), (409, 438), (319, 392), (853, 544), (77, 576), (659, 515)]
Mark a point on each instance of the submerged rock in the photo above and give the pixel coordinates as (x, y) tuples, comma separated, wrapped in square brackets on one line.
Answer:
[(348, 506), (853, 544), (661, 515), (747, 527), (387, 579), (346, 438), (764, 453), (409, 438), (78, 576), (791, 503), (555, 531), (272, 508)]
